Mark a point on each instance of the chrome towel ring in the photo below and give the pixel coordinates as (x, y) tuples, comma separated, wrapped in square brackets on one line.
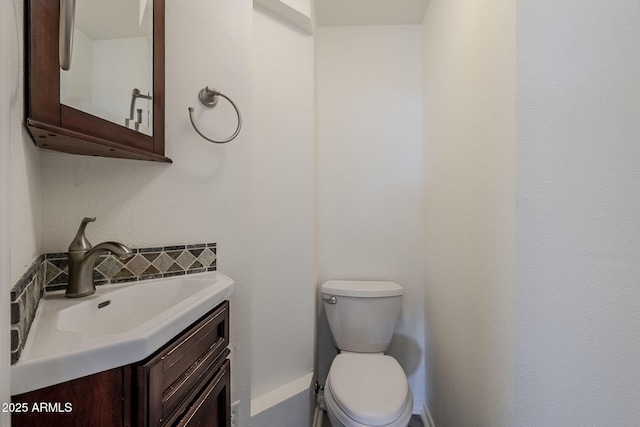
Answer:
[(209, 98)]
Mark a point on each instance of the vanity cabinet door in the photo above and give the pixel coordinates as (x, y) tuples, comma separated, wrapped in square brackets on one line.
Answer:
[(211, 408), (98, 400)]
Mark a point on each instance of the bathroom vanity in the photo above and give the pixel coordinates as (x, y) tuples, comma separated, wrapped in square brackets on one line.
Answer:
[(184, 383)]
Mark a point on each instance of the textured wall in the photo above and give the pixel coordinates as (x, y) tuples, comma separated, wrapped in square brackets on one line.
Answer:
[(542, 331), (469, 54), (578, 163), (26, 204), (370, 173)]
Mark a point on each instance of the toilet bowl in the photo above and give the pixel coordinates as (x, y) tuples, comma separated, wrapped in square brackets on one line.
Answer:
[(365, 387), (367, 390)]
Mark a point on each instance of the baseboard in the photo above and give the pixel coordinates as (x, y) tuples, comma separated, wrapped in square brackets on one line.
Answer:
[(280, 394), (426, 416), (317, 417)]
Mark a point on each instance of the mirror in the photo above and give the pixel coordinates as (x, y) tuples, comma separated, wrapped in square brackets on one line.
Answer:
[(111, 72), (110, 101)]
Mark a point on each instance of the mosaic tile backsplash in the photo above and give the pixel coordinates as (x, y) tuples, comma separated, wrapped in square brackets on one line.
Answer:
[(49, 272)]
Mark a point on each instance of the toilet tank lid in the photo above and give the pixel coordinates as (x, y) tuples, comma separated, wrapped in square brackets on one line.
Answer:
[(361, 288)]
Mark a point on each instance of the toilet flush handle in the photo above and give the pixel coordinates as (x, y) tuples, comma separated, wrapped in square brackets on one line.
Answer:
[(330, 300)]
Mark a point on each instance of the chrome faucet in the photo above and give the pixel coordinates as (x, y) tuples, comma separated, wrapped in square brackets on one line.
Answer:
[(82, 260)]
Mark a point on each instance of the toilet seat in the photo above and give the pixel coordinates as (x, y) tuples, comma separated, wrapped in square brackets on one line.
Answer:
[(368, 389)]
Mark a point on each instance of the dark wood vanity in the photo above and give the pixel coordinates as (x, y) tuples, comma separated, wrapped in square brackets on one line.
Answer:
[(185, 383)]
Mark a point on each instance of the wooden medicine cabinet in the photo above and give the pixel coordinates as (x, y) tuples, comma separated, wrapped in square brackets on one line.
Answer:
[(76, 111)]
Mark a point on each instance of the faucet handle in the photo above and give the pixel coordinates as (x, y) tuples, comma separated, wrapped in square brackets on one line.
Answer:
[(80, 242)]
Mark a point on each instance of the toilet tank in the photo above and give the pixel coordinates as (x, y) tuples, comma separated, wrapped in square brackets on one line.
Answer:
[(362, 315)]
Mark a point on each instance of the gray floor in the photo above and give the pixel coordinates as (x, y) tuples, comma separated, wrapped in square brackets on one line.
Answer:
[(416, 421)]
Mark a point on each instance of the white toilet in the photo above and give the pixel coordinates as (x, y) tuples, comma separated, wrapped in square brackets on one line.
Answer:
[(365, 387)]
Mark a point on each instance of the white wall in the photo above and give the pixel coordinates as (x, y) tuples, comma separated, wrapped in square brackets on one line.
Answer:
[(283, 327), (577, 296), (470, 210), (26, 202), (542, 331), (370, 174)]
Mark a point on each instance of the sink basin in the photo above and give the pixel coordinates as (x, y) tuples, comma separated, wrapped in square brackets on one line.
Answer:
[(128, 308), (118, 325)]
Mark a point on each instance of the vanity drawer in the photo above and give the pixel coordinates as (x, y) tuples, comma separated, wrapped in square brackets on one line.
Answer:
[(174, 375)]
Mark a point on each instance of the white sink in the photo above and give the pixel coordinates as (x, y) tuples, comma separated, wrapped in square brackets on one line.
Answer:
[(118, 325), (128, 308)]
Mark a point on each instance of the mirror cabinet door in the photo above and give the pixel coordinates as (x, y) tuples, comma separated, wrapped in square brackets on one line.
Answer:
[(110, 102)]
